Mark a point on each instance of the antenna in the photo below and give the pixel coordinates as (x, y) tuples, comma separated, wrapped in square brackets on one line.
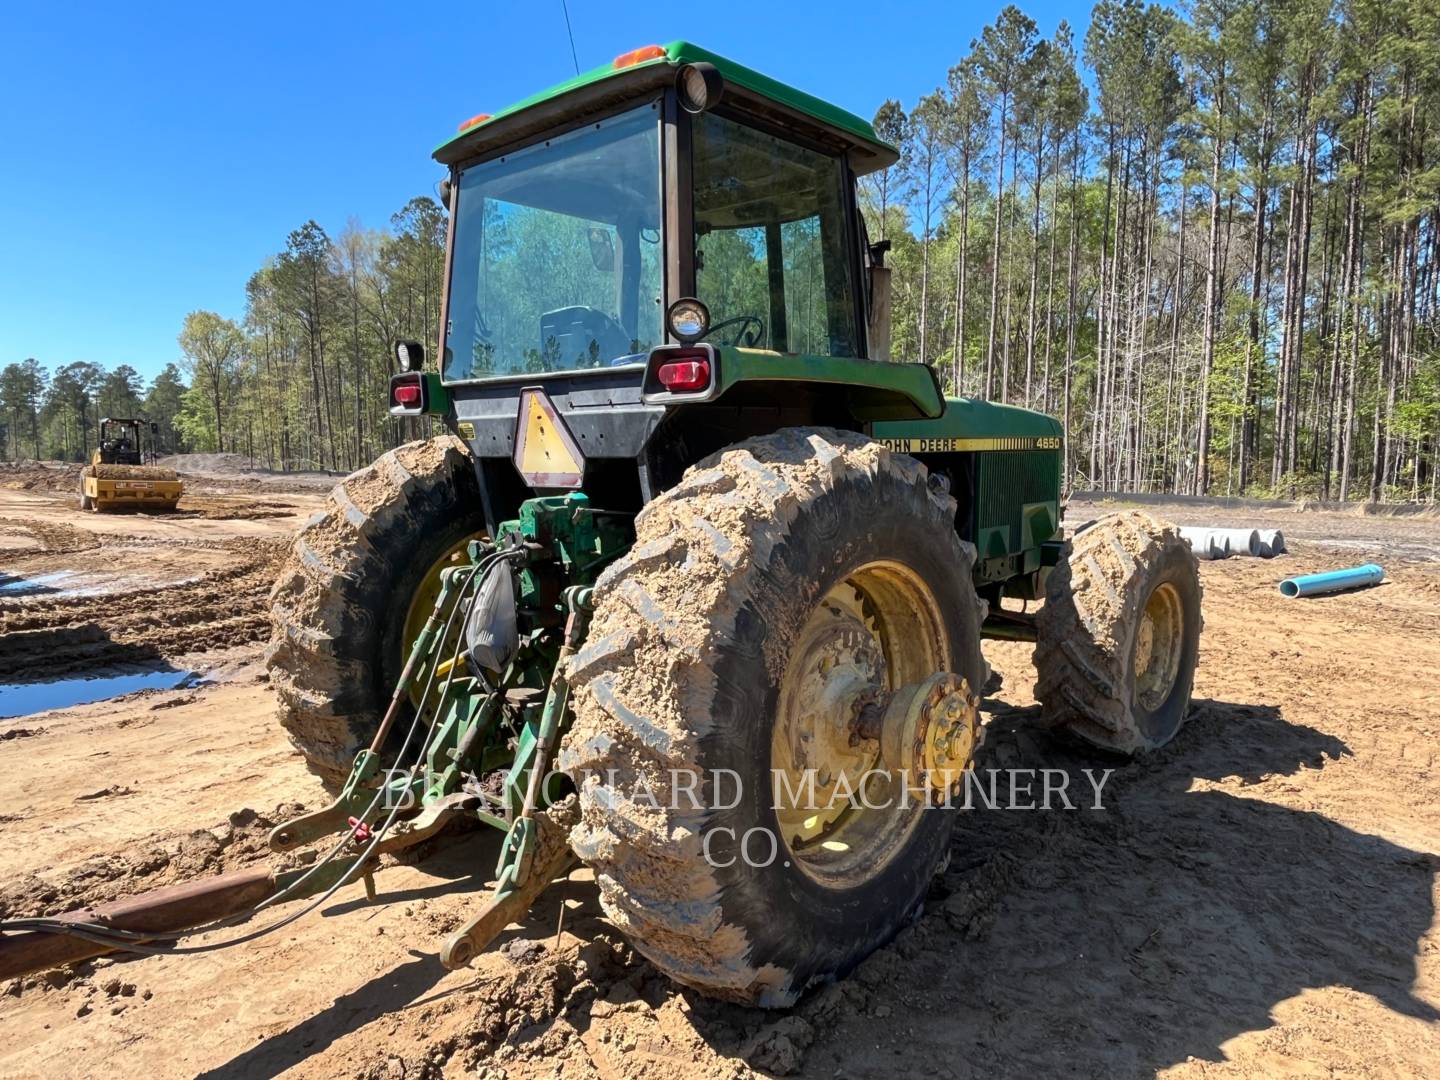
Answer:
[(573, 56)]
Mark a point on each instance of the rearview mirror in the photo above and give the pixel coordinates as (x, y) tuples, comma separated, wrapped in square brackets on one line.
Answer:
[(602, 250)]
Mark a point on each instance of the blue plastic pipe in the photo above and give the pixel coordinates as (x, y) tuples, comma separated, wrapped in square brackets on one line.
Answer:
[(1332, 581)]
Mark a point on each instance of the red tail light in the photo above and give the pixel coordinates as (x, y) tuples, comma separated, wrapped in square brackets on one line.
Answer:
[(408, 395), (684, 376)]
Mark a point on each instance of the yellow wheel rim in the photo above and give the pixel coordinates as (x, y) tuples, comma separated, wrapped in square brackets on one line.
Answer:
[(1158, 646), (421, 605), (842, 815)]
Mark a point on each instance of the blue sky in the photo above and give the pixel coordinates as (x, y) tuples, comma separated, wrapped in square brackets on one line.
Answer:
[(152, 156)]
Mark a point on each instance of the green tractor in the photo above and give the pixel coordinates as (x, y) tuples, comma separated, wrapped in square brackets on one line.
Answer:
[(694, 589)]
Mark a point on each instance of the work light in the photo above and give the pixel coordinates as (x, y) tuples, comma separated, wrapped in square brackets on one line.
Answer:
[(410, 355), (688, 319), (700, 87)]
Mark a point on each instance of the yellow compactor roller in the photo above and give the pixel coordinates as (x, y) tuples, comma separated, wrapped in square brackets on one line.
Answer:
[(117, 477)]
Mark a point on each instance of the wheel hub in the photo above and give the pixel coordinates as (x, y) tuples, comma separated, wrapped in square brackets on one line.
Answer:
[(930, 730), (837, 666), (851, 753)]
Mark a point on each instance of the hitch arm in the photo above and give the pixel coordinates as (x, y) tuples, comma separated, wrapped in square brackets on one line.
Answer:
[(552, 858)]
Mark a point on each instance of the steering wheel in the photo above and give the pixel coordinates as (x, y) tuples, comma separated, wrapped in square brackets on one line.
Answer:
[(744, 338)]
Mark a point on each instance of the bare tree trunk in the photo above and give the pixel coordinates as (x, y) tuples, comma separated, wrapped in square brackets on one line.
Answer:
[(1108, 457), (1072, 274), (1357, 225), (927, 218), (1254, 349), (1034, 270), (1050, 281), (1009, 291), (1335, 405), (1097, 405), (1173, 367), (1302, 274), (1212, 292), (957, 359), (995, 253), (1140, 461)]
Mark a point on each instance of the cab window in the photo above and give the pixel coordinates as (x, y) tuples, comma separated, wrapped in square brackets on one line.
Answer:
[(771, 245), (557, 254)]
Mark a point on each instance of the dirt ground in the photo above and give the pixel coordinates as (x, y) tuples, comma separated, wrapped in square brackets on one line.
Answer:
[(82, 591), (1259, 899)]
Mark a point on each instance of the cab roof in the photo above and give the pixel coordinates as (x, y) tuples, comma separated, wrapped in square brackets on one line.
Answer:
[(651, 68)]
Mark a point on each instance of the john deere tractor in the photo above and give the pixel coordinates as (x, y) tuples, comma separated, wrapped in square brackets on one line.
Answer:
[(698, 546), (693, 590)]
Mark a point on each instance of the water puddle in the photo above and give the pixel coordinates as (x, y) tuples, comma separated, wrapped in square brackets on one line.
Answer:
[(23, 699), (56, 585), (31, 586)]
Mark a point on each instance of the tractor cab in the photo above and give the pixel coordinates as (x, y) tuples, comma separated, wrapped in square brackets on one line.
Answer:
[(120, 442), (660, 235), (666, 255), (582, 218)]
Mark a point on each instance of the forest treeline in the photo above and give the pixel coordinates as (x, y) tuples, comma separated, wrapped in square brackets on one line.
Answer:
[(1206, 237), (302, 382)]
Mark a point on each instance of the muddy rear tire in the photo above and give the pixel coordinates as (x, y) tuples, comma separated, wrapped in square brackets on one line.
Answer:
[(339, 603), (681, 677), (86, 503), (1119, 634)]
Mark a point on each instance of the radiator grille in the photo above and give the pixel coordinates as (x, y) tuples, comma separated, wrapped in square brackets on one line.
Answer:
[(1006, 481)]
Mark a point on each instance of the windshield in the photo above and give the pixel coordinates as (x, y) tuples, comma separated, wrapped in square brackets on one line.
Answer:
[(557, 254)]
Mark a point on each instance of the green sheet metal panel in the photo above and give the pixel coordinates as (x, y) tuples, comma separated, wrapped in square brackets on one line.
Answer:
[(1014, 458), (878, 391), (969, 424), (877, 154)]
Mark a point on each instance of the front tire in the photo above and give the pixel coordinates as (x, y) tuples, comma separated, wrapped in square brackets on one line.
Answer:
[(338, 609), (1119, 634), (772, 567)]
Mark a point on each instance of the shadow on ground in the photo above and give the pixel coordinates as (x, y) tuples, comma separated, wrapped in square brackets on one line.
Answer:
[(1122, 941), (1112, 942)]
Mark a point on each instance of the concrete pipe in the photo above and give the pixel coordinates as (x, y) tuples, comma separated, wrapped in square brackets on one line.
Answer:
[(1240, 541), (1272, 543), (1206, 543)]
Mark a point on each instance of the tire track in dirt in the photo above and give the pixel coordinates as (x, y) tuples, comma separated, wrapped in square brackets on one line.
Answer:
[(46, 638), (56, 538)]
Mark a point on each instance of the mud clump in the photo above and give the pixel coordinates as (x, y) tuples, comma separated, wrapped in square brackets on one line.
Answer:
[(596, 1006), (230, 509), (115, 791), (33, 476)]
